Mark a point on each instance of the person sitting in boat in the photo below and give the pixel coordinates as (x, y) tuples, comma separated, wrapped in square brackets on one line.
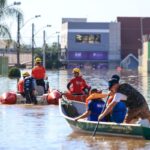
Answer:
[(119, 111), (94, 108), (115, 76), (77, 85), (95, 94), (29, 89), (20, 85), (38, 73), (134, 100)]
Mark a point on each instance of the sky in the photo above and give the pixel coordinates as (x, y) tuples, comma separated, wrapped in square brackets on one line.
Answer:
[(53, 11)]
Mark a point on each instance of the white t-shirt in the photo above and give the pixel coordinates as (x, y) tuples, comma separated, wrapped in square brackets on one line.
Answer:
[(118, 97)]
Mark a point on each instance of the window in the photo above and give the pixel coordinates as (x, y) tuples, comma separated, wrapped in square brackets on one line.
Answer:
[(88, 38)]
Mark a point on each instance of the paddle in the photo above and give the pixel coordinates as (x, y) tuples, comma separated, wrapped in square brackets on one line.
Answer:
[(99, 120)]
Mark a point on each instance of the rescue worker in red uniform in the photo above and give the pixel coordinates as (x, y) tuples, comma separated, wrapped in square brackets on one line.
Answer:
[(20, 85), (38, 73), (77, 85)]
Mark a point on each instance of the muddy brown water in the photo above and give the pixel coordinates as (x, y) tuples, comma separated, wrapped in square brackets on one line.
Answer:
[(33, 127)]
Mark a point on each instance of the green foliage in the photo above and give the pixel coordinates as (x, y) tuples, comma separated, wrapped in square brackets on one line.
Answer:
[(52, 59), (14, 72)]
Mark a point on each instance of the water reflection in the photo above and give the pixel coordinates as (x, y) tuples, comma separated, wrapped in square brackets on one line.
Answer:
[(43, 128), (107, 142)]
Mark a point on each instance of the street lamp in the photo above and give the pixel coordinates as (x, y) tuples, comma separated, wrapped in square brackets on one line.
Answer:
[(36, 16), (17, 3), (58, 44), (33, 35), (44, 46), (13, 4), (58, 38), (42, 28), (18, 34)]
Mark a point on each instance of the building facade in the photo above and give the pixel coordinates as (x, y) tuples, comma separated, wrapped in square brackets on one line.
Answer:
[(132, 31), (90, 43)]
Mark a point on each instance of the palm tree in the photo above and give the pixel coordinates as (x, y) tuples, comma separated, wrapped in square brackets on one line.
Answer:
[(5, 12)]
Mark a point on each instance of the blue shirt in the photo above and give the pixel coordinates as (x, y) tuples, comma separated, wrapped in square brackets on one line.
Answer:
[(119, 112), (96, 107)]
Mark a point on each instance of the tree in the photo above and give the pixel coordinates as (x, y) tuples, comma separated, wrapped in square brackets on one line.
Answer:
[(5, 12), (52, 60)]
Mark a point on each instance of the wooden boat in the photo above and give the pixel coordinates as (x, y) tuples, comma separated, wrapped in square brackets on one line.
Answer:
[(72, 109)]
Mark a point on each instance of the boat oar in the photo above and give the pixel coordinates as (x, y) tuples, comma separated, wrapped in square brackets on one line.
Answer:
[(98, 119)]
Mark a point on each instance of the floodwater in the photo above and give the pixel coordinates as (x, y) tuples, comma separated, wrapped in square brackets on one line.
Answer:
[(29, 127)]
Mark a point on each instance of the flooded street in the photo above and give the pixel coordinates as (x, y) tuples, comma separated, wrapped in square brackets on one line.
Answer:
[(32, 127)]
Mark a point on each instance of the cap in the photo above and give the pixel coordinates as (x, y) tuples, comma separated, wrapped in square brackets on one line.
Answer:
[(115, 76), (112, 82)]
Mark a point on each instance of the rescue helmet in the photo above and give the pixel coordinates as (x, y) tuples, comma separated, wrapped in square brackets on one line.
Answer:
[(37, 60), (76, 70), (25, 74)]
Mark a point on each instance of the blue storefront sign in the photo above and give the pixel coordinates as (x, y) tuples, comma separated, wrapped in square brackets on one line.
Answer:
[(83, 55)]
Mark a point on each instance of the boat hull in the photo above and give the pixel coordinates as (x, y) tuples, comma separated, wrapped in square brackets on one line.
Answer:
[(104, 128)]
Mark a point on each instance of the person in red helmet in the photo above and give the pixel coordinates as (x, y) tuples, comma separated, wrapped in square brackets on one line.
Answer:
[(38, 73), (77, 85)]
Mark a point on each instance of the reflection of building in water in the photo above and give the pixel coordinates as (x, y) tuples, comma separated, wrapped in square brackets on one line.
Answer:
[(144, 67), (145, 85), (145, 57), (85, 43)]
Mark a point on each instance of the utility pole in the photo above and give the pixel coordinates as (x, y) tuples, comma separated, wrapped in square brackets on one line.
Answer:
[(32, 45), (44, 47), (18, 40), (58, 46)]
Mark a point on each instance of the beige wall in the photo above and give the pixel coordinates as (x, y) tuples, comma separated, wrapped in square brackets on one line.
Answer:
[(24, 58)]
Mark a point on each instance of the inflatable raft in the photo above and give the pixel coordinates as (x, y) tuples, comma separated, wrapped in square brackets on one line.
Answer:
[(80, 97), (51, 97)]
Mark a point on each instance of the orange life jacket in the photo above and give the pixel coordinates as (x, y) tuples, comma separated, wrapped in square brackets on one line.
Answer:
[(20, 86), (95, 96), (38, 72)]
